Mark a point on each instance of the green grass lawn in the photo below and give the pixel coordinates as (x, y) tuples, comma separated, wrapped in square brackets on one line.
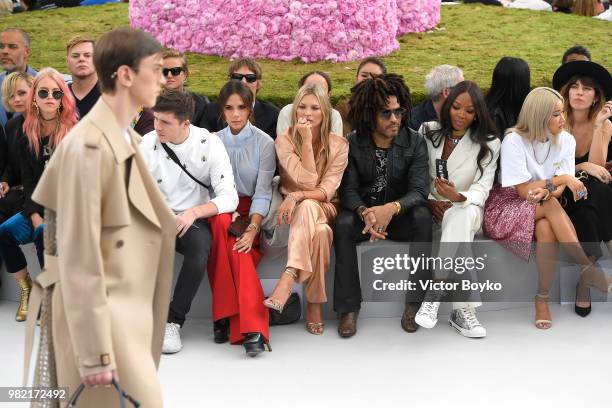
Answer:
[(472, 37)]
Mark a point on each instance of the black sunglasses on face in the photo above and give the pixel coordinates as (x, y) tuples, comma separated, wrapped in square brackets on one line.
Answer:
[(250, 78), (175, 71), (398, 113), (44, 94)]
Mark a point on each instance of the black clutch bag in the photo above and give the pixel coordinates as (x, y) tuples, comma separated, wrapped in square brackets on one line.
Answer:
[(238, 227), (291, 312)]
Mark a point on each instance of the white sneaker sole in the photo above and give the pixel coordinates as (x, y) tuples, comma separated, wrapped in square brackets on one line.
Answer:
[(424, 322), (465, 333), (171, 350)]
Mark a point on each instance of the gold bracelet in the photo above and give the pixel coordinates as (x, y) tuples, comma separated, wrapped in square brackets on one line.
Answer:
[(398, 207), (252, 226)]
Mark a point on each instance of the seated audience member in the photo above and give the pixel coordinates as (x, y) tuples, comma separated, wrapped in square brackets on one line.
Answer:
[(438, 84), (537, 166), (509, 88), (576, 53), (588, 8), (324, 81), (265, 114), (236, 290), (311, 163), (203, 157), (84, 86), (585, 86), (383, 192), (50, 114), (368, 68), (563, 6), (538, 5), (176, 72), (15, 89), (606, 15), (465, 140), (14, 52)]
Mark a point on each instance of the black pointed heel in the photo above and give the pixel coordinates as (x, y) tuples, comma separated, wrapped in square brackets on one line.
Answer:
[(582, 311)]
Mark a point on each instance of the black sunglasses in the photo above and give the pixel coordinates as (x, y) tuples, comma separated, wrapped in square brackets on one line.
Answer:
[(175, 71), (398, 113), (44, 94), (250, 78)]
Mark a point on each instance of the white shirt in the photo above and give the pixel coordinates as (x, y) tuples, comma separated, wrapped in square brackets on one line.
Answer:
[(606, 15), (524, 161), (538, 5), (284, 121), (205, 158)]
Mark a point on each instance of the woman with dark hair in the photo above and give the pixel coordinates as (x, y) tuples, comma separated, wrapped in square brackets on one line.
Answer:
[(585, 86), (50, 113), (464, 144), (537, 166), (234, 255), (509, 87)]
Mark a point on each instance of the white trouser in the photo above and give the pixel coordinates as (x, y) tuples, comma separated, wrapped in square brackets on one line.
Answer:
[(459, 224)]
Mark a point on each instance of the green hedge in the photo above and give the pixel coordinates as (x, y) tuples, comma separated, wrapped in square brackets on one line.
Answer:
[(472, 37)]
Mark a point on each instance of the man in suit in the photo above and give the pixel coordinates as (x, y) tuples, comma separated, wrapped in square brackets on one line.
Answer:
[(265, 113), (115, 235), (383, 192)]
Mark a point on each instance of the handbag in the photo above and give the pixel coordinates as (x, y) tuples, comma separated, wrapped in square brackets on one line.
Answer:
[(291, 312), (122, 396), (239, 226)]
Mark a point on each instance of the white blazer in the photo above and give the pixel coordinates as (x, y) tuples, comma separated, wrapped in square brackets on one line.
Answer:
[(462, 167)]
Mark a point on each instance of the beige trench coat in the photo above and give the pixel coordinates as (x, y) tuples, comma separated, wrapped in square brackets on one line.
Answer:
[(115, 253)]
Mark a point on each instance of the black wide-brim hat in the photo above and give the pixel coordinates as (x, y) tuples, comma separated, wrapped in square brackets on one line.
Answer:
[(585, 68)]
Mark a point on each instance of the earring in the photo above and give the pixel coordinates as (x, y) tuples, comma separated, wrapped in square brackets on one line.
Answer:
[(35, 106)]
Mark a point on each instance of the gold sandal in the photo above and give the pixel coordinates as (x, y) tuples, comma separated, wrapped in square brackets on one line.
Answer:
[(315, 328), (275, 303), (542, 324)]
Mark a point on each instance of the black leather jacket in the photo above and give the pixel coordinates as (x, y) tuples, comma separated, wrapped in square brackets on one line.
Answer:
[(407, 171)]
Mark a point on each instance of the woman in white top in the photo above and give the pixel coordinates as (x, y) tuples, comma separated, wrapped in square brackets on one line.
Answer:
[(465, 144), (537, 165)]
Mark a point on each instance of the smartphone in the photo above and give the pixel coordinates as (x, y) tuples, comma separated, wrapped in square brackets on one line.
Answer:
[(441, 170)]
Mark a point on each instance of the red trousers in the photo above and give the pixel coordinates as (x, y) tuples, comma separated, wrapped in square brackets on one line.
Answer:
[(236, 289)]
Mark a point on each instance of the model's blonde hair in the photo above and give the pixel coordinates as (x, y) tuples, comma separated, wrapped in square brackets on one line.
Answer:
[(9, 85), (323, 99), (539, 105)]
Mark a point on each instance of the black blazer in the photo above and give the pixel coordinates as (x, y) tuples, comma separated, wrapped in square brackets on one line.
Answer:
[(200, 103), (32, 167), (266, 116), (10, 169), (407, 170)]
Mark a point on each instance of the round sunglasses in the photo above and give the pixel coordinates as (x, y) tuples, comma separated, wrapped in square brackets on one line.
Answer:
[(44, 94)]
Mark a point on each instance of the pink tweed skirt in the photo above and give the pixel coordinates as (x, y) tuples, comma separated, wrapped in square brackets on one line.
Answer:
[(510, 220)]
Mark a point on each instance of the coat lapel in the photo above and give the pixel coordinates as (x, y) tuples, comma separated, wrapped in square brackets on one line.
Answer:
[(460, 154)]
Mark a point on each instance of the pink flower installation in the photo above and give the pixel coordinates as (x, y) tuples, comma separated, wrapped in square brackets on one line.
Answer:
[(333, 30)]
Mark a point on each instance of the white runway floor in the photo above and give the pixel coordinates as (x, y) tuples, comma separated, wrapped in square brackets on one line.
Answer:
[(382, 366)]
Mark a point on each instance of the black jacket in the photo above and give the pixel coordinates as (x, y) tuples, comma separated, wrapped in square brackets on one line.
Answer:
[(407, 171), (266, 116), (200, 103), (32, 167), (10, 169)]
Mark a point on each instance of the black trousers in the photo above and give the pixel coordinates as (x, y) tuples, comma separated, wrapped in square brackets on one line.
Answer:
[(195, 247), (415, 225)]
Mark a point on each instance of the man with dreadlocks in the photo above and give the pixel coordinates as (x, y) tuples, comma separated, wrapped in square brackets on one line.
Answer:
[(383, 192)]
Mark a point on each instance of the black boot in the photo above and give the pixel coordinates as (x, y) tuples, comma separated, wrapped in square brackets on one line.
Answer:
[(221, 330), (254, 344)]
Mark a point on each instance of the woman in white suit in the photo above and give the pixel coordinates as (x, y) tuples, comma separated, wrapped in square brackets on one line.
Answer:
[(463, 153)]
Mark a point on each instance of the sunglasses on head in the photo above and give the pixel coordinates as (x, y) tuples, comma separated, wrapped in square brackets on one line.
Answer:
[(175, 71), (250, 78), (44, 94), (398, 113)]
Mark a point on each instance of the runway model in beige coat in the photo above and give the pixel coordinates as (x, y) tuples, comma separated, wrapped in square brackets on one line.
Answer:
[(115, 236)]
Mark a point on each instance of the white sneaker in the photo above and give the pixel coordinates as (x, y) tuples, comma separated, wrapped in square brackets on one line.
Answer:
[(427, 316), (465, 322), (172, 339)]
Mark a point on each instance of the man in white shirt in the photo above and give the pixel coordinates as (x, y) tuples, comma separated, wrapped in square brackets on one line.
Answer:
[(203, 155)]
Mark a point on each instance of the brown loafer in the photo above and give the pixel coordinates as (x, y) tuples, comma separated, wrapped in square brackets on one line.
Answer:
[(348, 324), (410, 311)]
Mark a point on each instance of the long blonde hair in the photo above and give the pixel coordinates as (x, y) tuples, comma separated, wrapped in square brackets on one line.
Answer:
[(323, 99), (539, 105)]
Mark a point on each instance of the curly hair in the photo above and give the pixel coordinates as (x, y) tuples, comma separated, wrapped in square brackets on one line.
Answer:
[(372, 96)]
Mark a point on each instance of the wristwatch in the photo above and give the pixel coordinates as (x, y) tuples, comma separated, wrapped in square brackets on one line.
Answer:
[(549, 185)]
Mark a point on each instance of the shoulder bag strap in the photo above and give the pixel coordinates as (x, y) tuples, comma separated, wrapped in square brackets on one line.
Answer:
[(175, 159)]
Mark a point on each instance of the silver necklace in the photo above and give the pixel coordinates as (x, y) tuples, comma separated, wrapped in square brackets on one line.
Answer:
[(454, 141), (534, 154)]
